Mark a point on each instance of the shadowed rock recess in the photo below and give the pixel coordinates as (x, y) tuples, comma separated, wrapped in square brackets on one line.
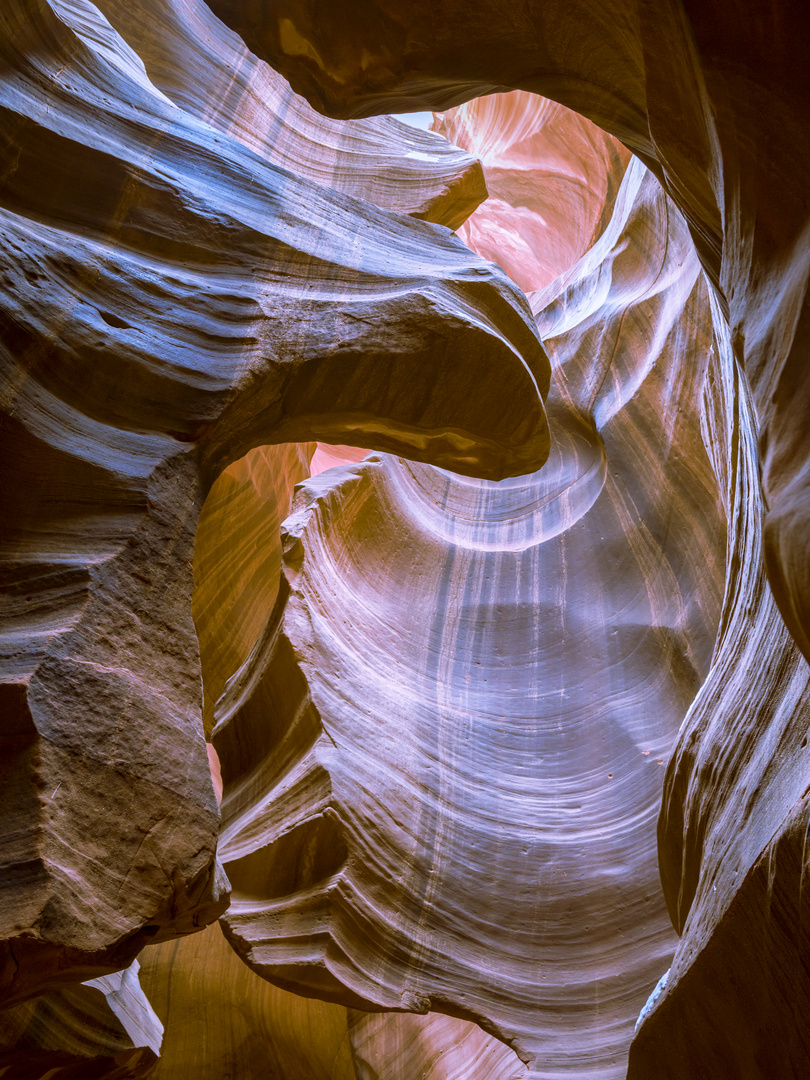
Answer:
[(507, 773)]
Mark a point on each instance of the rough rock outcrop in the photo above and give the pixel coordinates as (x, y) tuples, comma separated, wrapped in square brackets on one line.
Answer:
[(170, 301), (443, 762)]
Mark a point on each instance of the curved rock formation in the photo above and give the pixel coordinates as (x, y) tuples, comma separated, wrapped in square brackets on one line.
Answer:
[(552, 177), (399, 1046), (170, 301), (697, 90), (224, 1020), (103, 1030), (733, 829), (714, 98), (443, 762), (208, 72), (429, 804), (236, 582)]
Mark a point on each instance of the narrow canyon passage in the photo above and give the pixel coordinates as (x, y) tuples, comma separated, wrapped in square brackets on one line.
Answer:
[(498, 671), (402, 542)]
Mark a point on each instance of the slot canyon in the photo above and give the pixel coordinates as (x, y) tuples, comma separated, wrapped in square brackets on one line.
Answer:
[(404, 540)]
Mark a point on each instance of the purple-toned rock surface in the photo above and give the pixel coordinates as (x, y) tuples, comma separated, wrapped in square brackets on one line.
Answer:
[(171, 300), (444, 735), (443, 763), (714, 98)]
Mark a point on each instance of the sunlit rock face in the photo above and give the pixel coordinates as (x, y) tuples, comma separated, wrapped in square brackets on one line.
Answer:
[(552, 178), (171, 300), (443, 763)]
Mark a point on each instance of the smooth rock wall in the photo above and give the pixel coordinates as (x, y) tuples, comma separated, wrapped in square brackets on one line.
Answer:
[(552, 178), (207, 70), (443, 763), (714, 97), (222, 1020), (101, 1030)]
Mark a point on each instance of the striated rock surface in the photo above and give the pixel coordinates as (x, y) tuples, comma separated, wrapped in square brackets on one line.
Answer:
[(443, 762), (732, 832), (170, 301), (224, 1020), (102, 1030), (714, 98), (206, 69), (443, 736), (398, 1046), (697, 90)]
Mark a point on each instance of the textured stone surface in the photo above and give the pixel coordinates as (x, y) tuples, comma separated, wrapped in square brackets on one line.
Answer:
[(224, 1020), (697, 90), (171, 300), (173, 297), (443, 763), (206, 69), (102, 1030), (714, 98)]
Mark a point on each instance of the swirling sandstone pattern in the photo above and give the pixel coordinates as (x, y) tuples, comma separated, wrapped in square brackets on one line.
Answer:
[(170, 301), (551, 176), (696, 89), (443, 763), (714, 98), (224, 1020), (733, 829), (399, 1046), (206, 69), (168, 287)]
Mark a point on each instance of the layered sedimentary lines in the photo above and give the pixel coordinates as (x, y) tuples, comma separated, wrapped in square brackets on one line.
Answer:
[(698, 91), (733, 827), (445, 729), (551, 176), (224, 1020), (171, 299), (396, 1046), (207, 70), (443, 762)]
